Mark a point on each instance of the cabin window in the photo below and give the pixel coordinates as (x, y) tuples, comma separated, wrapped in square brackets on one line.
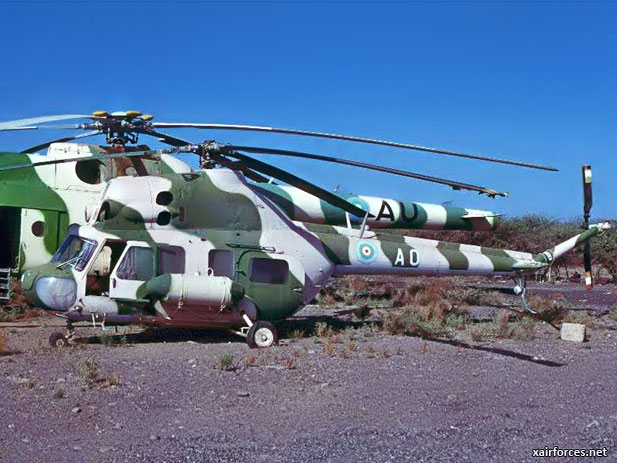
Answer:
[(272, 271), (138, 264), (92, 172), (38, 228), (171, 260), (221, 262)]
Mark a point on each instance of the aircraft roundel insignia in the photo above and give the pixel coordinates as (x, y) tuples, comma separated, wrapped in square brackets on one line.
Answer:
[(367, 252)]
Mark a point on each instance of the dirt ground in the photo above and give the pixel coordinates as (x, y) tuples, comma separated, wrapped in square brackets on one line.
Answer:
[(160, 395)]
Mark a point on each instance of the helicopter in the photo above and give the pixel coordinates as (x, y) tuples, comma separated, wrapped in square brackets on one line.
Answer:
[(210, 249), (60, 194)]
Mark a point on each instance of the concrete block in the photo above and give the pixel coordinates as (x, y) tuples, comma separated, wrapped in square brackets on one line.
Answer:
[(573, 332)]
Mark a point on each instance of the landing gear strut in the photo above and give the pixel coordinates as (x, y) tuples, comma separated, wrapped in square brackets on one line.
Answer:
[(260, 334), (520, 288)]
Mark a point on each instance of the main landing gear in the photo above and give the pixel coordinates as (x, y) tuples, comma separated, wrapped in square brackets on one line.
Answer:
[(260, 334)]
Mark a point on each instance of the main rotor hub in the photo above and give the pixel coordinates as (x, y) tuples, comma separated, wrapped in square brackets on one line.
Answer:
[(120, 127)]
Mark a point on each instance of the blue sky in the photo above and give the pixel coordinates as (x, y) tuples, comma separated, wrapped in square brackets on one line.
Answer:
[(533, 81)]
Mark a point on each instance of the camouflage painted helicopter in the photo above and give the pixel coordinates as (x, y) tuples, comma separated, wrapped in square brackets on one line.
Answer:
[(60, 194), (212, 249)]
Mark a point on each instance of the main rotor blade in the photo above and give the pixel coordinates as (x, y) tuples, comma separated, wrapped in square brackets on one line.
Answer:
[(41, 127), (163, 137), (36, 148), (298, 182), (256, 128), (87, 158), (173, 141), (40, 120), (455, 185), (237, 165)]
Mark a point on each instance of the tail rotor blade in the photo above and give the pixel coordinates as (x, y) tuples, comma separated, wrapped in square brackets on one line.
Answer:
[(588, 270), (587, 204), (587, 193)]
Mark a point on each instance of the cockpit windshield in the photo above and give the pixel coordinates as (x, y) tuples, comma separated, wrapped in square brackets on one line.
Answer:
[(74, 252)]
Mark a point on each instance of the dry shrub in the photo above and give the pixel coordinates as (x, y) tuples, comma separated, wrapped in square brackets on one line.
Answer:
[(328, 348), (408, 322), (88, 370), (59, 392), (110, 381), (358, 283), (425, 310), (290, 363), (524, 329), (29, 383), (549, 309), (503, 323), (225, 362), (363, 312), (18, 307), (327, 300), (249, 360), (3, 348), (297, 334), (479, 333), (323, 330), (583, 317)]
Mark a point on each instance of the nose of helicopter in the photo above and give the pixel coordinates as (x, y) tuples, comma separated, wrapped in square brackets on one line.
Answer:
[(49, 291)]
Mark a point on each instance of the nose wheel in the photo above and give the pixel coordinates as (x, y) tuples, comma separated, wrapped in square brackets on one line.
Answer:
[(58, 340), (261, 334)]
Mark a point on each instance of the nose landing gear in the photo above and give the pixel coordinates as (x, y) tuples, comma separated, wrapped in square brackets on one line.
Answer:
[(60, 340)]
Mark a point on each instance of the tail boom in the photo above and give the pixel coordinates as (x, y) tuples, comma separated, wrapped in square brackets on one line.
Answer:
[(388, 254), (551, 255)]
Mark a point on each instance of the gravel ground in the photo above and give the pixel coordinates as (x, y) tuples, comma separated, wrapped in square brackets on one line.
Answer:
[(159, 396)]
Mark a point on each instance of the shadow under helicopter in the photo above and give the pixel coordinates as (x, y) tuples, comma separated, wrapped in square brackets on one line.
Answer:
[(305, 325)]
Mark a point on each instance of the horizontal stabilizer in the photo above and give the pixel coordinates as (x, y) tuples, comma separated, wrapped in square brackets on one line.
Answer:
[(479, 216)]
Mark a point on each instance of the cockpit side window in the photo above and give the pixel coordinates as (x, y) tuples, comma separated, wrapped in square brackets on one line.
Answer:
[(74, 252), (138, 264)]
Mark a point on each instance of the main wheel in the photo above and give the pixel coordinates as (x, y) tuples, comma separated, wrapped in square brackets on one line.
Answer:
[(262, 334), (58, 340)]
